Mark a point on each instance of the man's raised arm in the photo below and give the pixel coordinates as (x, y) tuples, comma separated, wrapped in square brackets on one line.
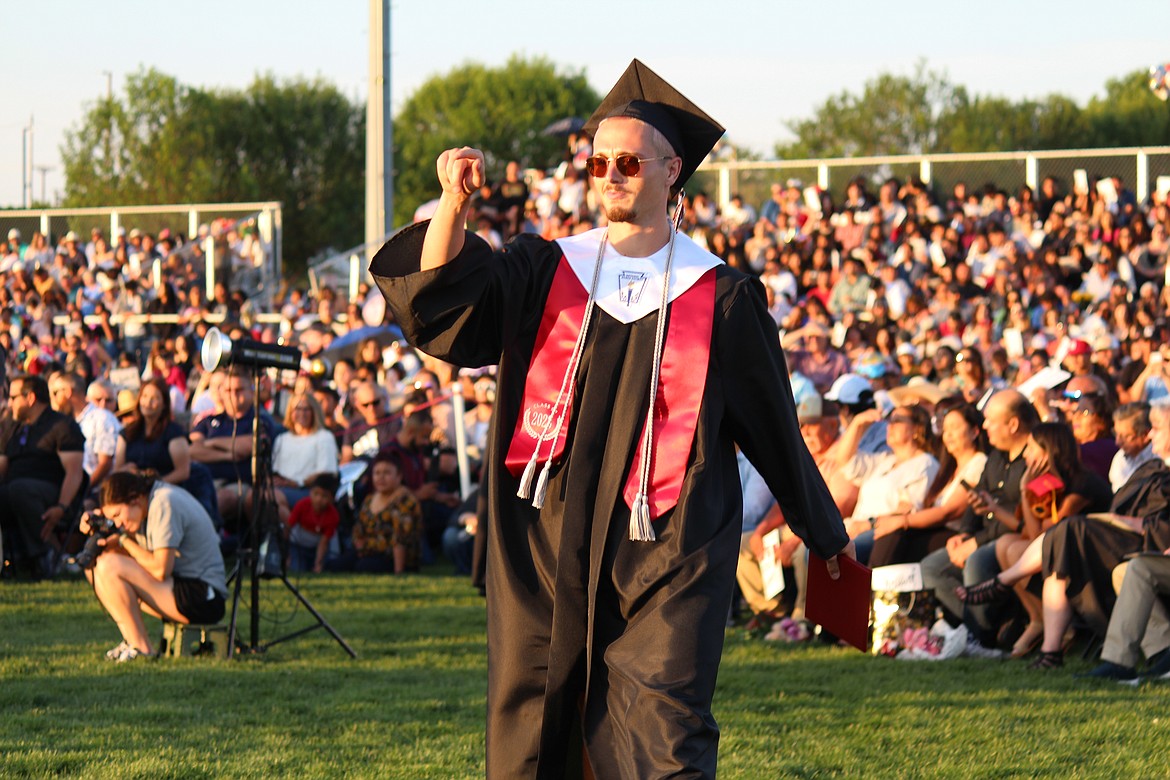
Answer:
[(461, 173)]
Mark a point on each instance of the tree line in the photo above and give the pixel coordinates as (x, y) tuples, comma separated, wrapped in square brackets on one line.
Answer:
[(926, 113), (302, 142)]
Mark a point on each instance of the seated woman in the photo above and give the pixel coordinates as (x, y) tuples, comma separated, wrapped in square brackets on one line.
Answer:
[(1052, 451), (890, 482), (164, 560), (303, 450), (161, 365), (153, 440), (389, 524), (907, 537), (970, 379), (1092, 425)]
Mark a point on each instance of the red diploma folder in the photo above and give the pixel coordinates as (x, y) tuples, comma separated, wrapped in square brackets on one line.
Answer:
[(840, 606)]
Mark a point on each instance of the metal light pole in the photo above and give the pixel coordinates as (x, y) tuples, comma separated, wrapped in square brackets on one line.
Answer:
[(43, 170), (24, 167), (26, 163), (109, 117), (379, 128)]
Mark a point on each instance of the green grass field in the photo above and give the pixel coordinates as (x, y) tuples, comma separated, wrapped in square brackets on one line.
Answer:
[(411, 705)]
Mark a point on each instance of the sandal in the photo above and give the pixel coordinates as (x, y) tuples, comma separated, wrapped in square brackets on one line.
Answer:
[(1048, 660), (986, 592)]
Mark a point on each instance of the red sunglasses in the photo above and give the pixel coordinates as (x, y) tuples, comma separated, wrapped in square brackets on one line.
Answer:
[(627, 164)]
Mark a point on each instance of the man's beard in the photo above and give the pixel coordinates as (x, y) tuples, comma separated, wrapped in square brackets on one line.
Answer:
[(620, 214)]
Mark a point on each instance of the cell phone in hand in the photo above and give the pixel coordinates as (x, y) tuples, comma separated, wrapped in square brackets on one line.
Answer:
[(967, 485)]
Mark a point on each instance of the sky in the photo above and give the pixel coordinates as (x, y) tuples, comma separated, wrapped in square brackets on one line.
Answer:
[(751, 64)]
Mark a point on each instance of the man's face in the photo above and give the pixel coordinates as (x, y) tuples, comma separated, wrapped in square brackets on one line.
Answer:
[(60, 397), (20, 400), (237, 396), (628, 198), (368, 403), (819, 434), (1000, 425), (1128, 439)]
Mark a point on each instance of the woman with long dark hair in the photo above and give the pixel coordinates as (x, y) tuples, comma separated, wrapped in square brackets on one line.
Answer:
[(153, 440), (908, 536)]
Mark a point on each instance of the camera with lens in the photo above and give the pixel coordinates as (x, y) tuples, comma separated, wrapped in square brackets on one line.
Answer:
[(100, 527)]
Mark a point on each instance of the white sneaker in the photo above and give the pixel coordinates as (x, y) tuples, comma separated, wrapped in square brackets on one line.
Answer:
[(976, 650), (130, 653), (113, 653)]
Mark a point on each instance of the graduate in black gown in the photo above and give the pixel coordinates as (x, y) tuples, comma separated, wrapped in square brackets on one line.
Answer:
[(613, 534)]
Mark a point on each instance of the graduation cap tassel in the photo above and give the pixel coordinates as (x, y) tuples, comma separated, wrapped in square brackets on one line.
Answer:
[(525, 490), (542, 486), (641, 529)]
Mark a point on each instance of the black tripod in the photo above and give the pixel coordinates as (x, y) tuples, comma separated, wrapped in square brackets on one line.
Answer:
[(263, 524)]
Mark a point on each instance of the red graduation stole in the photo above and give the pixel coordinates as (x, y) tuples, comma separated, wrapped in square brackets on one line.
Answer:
[(682, 378)]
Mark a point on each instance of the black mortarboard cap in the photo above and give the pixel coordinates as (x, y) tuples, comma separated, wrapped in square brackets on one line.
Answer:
[(642, 94)]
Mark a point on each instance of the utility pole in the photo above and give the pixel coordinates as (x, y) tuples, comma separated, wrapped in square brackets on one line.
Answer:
[(109, 120), (43, 170), (26, 163), (24, 167), (379, 128)]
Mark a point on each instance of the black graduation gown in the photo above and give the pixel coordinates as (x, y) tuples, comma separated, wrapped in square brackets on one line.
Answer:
[(584, 625), (1084, 552)]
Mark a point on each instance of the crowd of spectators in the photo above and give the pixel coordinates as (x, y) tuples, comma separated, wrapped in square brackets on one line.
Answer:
[(99, 361), (948, 351)]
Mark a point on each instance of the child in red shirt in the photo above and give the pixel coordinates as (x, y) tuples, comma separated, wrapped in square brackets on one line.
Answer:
[(311, 525)]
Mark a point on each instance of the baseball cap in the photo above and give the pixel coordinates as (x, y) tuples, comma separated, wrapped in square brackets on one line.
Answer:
[(848, 389), (1079, 347), (872, 366), (1104, 342), (810, 408)]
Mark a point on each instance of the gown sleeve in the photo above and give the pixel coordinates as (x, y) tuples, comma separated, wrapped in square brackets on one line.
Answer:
[(467, 311), (761, 415)]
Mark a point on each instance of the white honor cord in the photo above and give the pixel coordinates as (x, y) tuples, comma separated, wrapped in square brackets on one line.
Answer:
[(564, 395), (641, 528)]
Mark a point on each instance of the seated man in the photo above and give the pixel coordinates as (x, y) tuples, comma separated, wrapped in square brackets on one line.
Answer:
[(98, 424), (223, 442), (1139, 622), (372, 429), (164, 560), (40, 463), (969, 556)]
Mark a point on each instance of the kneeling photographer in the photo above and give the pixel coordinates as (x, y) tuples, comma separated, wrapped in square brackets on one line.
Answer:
[(161, 556)]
